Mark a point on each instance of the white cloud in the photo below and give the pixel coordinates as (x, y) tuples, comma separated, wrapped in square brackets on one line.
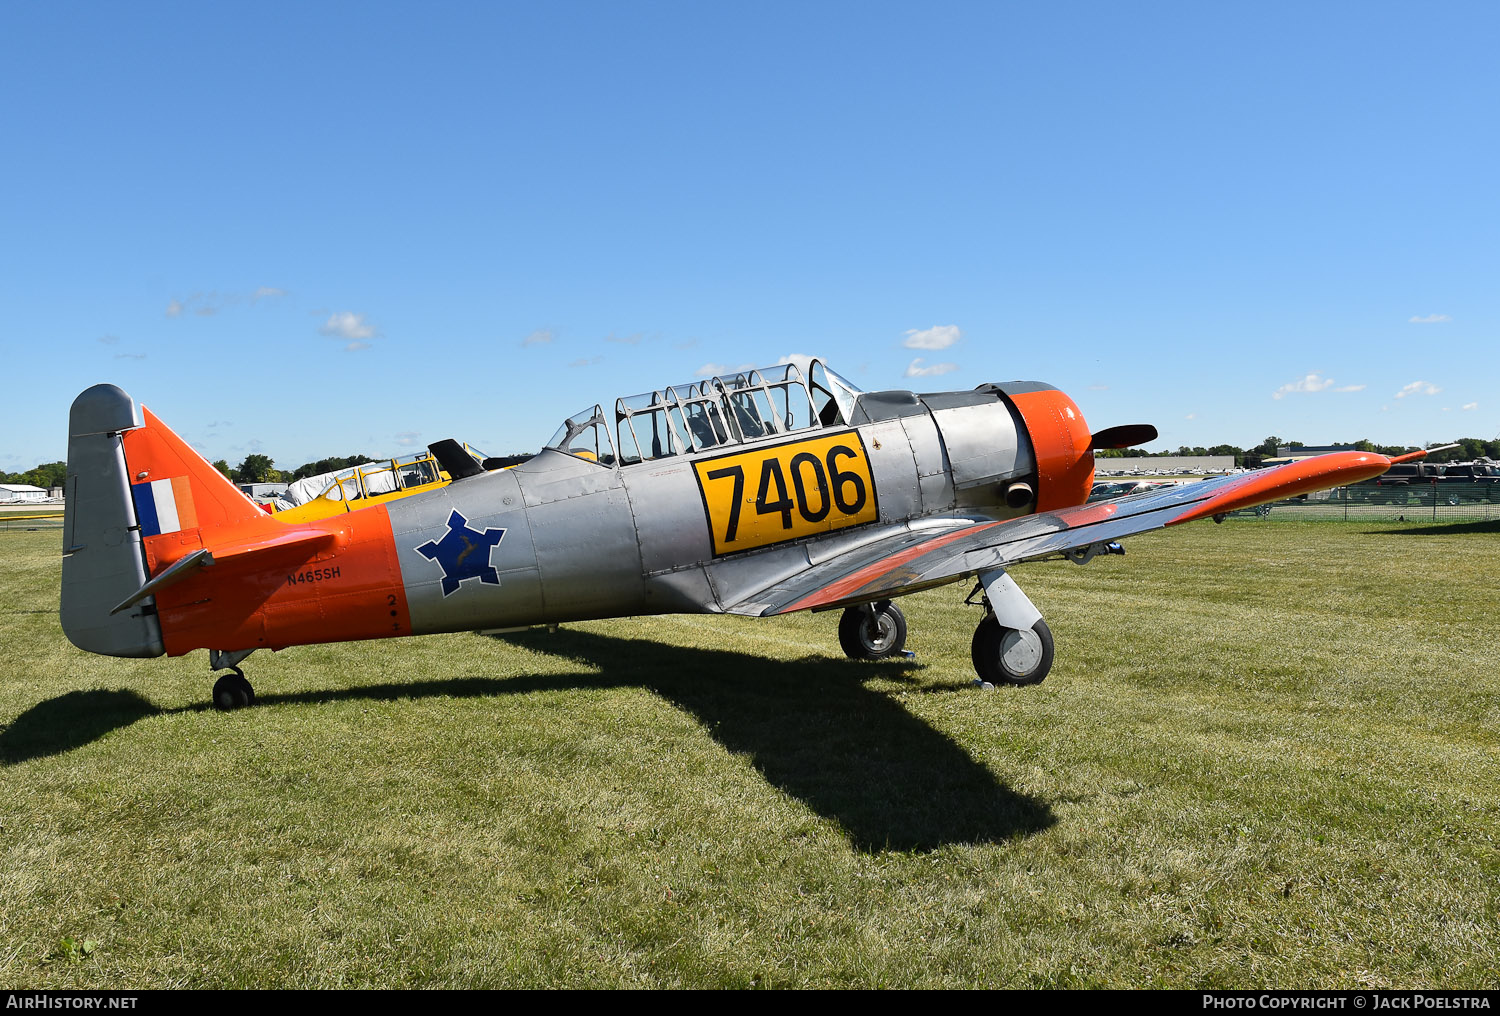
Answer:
[(1470, 405), (407, 438), (1191, 416), (1098, 388), (540, 337), (355, 347), (936, 337), (1430, 319), (586, 361), (346, 324), (915, 369), (109, 340), (1313, 382), (1418, 388), (801, 361), (720, 369), (209, 304), (633, 339), (130, 356)]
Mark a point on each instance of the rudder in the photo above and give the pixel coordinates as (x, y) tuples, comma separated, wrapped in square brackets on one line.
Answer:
[(103, 560)]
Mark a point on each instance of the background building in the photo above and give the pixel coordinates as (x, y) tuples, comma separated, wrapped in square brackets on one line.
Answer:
[(1158, 465), (21, 492)]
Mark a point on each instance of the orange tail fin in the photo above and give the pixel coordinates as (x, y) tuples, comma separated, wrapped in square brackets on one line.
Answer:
[(137, 500), (175, 489)]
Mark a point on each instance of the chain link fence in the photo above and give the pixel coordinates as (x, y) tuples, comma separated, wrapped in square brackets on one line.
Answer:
[(1434, 502), (1418, 502), (29, 519)]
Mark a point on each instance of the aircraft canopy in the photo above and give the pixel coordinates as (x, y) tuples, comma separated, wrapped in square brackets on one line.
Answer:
[(723, 410)]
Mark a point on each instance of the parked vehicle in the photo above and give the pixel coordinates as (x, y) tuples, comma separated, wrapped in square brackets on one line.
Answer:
[(1406, 473), (1480, 471)]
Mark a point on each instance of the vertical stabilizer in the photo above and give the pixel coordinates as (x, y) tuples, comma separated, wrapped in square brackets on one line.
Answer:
[(103, 561), (176, 490)]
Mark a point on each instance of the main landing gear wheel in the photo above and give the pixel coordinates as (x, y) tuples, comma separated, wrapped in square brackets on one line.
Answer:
[(233, 691), (1012, 656), (873, 632)]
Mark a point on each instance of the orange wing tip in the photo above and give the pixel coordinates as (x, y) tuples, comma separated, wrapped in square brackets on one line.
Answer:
[(1420, 453), (1318, 473)]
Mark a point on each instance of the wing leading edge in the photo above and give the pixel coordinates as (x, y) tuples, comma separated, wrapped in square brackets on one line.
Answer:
[(913, 559)]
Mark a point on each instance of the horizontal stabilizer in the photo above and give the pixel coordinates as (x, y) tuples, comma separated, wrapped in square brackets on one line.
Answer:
[(176, 572), (307, 539), (190, 564)]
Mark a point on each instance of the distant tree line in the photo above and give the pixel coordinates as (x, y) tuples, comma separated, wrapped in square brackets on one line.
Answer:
[(258, 468), (47, 475), (1250, 458)]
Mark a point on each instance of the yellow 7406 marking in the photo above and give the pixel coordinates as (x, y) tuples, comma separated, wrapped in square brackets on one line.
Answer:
[(770, 495)]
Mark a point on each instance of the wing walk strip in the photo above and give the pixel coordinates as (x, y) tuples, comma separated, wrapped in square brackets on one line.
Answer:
[(853, 584)]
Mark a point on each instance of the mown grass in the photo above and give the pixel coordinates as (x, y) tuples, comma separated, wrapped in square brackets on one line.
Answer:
[(1267, 755)]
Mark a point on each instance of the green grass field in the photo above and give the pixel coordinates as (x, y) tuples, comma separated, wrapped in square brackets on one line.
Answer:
[(1267, 755)]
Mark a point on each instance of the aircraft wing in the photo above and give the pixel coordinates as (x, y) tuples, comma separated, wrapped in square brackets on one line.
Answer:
[(936, 551)]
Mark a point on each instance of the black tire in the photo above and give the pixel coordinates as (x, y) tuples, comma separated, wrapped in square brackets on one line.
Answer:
[(233, 691), (880, 637), (1007, 656)]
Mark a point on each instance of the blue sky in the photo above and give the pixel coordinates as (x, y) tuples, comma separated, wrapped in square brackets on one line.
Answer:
[(320, 229)]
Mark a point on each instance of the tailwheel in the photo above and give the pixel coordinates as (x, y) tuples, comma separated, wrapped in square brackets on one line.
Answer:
[(872, 631), (233, 691), (1011, 656)]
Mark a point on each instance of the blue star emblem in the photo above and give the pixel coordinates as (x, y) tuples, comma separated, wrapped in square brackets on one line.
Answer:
[(463, 553)]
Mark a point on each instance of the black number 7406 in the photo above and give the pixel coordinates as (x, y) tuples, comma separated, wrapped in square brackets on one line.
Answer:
[(814, 491)]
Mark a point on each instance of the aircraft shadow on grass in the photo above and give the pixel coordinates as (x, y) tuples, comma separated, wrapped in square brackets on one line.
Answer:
[(811, 727), (1490, 526)]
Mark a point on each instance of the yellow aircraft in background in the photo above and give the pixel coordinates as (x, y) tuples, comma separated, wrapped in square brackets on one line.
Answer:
[(378, 482)]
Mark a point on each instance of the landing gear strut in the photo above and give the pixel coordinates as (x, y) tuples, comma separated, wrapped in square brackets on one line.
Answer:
[(872, 631), (233, 691), (1012, 645)]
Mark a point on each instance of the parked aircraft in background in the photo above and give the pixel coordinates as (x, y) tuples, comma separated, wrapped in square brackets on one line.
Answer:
[(758, 493), (356, 487)]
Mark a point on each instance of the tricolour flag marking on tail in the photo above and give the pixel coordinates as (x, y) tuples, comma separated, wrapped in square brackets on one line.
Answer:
[(165, 506)]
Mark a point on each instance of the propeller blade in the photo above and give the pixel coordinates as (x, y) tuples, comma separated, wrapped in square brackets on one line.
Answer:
[(1125, 436)]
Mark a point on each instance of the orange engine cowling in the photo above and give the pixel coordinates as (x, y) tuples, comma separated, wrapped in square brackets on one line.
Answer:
[(1062, 444)]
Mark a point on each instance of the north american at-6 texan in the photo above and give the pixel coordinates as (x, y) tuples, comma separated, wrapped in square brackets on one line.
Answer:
[(759, 493)]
